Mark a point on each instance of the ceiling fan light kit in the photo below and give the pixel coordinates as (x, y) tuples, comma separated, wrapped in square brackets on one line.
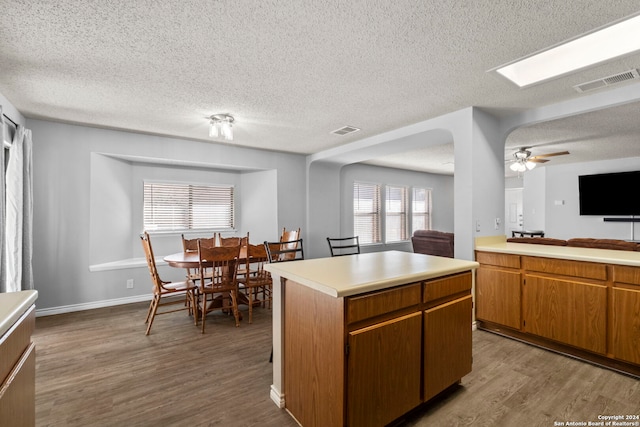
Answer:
[(524, 161)]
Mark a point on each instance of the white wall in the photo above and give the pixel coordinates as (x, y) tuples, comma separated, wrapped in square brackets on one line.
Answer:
[(442, 197), (560, 183), (534, 201), (66, 205)]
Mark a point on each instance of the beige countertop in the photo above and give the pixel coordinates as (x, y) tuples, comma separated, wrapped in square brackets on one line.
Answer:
[(12, 306), (355, 274), (606, 256)]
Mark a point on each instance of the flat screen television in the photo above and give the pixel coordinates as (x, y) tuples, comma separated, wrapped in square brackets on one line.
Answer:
[(610, 193)]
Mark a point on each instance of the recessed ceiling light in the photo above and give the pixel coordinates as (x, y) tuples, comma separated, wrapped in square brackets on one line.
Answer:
[(607, 43)]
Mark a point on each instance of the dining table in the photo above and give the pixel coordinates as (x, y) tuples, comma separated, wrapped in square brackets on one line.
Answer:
[(191, 260)]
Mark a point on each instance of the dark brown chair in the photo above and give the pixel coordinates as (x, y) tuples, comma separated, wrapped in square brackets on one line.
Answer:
[(221, 291), (432, 242), (340, 246), (163, 289), (283, 251)]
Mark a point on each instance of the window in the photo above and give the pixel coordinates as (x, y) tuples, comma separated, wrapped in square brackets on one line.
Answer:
[(177, 207), (366, 212), (421, 209), (396, 214)]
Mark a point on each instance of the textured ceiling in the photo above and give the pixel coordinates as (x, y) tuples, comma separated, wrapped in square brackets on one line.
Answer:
[(291, 72)]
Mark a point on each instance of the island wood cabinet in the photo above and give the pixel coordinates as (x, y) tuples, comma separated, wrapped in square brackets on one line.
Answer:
[(18, 373), (587, 309), (366, 360)]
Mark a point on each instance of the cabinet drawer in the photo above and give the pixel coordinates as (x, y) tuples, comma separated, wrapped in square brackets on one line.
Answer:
[(447, 286), (16, 341), (587, 270), (382, 302), (501, 260), (629, 275)]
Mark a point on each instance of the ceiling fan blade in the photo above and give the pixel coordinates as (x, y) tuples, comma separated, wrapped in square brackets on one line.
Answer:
[(536, 160), (559, 153)]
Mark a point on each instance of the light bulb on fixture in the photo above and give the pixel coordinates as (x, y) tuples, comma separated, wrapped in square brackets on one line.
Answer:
[(530, 165), (221, 125)]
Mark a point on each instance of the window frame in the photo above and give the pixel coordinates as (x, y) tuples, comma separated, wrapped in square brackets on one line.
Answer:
[(376, 214), (190, 217), (403, 213), (429, 208)]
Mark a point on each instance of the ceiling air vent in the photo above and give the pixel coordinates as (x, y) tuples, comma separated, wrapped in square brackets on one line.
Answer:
[(345, 130), (608, 81)]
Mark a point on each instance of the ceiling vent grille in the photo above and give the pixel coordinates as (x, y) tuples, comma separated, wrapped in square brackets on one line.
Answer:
[(607, 81), (345, 130)]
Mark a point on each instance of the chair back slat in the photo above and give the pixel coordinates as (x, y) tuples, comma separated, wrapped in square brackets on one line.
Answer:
[(284, 250), (340, 246)]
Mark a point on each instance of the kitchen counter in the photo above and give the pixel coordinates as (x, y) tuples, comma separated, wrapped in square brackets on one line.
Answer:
[(12, 306), (17, 359), (499, 244), (355, 274)]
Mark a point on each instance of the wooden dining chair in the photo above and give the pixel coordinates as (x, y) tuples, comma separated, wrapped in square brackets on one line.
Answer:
[(256, 282), (221, 292), (163, 289), (289, 236), (191, 245), (340, 246), (282, 251)]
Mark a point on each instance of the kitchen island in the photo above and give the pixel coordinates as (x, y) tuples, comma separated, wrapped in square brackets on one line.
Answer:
[(361, 340)]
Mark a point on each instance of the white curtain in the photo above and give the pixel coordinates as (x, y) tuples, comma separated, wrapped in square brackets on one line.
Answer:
[(2, 209), (19, 213)]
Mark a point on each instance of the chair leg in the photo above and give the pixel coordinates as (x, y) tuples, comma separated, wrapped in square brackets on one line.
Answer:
[(234, 305), (204, 310), (146, 319), (154, 307)]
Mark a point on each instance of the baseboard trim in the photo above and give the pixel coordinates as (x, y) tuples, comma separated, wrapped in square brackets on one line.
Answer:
[(91, 305), (276, 396)]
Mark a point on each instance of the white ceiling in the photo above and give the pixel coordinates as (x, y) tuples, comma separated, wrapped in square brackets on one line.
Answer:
[(291, 72)]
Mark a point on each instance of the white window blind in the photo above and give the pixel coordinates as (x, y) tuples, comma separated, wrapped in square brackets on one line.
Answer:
[(421, 209), (366, 212), (176, 207), (396, 214)]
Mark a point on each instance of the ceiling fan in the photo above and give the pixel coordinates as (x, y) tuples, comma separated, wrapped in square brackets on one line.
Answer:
[(523, 160)]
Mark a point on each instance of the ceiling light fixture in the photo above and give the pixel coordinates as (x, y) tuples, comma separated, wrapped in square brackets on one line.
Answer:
[(221, 125), (522, 162), (607, 43)]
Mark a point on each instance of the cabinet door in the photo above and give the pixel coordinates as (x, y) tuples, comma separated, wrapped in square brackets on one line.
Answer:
[(626, 324), (384, 371), (447, 345), (498, 296), (567, 311)]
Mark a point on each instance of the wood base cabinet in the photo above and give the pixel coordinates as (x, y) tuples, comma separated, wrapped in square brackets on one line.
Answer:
[(18, 373), (586, 309), (368, 359)]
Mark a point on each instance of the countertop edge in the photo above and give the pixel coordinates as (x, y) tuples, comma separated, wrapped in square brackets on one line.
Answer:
[(12, 306), (372, 286), (571, 253)]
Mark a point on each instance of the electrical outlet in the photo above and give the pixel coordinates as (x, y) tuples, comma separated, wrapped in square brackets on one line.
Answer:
[(477, 225), (497, 223), (129, 283)]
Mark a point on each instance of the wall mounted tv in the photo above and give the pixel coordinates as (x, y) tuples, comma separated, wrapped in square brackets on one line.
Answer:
[(610, 193)]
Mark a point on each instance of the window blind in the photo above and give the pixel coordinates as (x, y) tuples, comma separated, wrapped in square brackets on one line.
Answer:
[(396, 214), (421, 209), (177, 207), (366, 212)]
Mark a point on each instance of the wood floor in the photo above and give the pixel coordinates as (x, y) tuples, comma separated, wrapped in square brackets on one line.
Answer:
[(97, 368)]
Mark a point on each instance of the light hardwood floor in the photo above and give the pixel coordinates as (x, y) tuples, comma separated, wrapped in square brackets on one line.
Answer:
[(97, 368)]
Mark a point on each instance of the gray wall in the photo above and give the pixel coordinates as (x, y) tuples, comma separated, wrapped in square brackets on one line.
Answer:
[(85, 210), (559, 183), (442, 197)]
